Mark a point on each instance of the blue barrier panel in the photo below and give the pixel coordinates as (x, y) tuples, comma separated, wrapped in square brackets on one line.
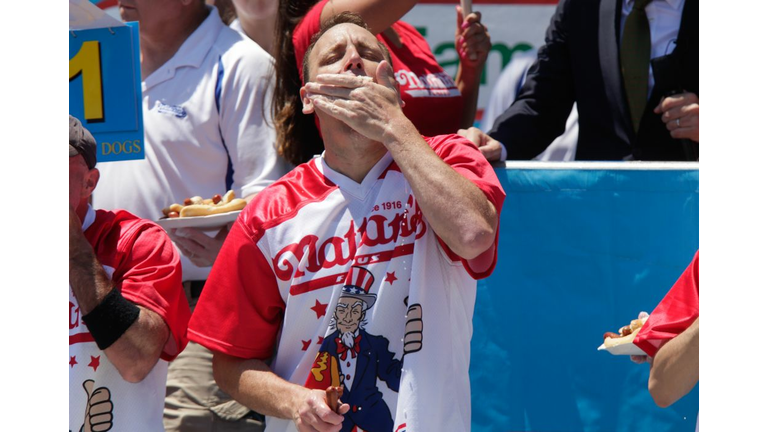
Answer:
[(582, 249)]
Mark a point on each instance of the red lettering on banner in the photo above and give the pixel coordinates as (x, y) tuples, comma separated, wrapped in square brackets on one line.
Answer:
[(376, 230), (74, 315)]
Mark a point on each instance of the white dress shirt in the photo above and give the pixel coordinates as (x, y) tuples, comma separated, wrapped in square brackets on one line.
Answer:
[(664, 21)]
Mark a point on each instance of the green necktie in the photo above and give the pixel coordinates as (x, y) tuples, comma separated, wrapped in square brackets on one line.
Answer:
[(635, 60)]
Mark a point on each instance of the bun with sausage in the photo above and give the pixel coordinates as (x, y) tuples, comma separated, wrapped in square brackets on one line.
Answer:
[(197, 206), (625, 335)]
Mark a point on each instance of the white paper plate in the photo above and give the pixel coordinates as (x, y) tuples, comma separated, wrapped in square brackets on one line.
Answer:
[(201, 222), (624, 349)]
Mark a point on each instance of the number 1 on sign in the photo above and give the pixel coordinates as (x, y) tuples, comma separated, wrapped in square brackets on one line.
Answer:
[(88, 62)]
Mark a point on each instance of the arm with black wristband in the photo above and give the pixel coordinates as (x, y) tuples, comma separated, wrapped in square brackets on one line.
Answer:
[(131, 336)]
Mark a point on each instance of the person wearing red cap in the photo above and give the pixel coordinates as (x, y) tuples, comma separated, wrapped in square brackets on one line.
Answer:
[(127, 311), (378, 243)]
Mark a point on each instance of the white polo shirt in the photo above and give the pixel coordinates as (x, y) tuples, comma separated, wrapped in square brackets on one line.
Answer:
[(207, 129)]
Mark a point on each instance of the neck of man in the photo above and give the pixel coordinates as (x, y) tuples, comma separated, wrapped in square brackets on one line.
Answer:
[(160, 43), (351, 154), (261, 31)]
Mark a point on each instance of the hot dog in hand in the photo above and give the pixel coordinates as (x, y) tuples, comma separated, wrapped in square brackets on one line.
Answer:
[(626, 334), (332, 395)]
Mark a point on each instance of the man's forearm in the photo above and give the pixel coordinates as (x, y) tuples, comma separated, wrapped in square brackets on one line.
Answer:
[(137, 350), (252, 383), (89, 282), (458, 211), (469, 87), (675, 368)]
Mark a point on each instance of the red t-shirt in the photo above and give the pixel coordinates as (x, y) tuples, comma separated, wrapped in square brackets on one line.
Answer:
[(676, 312), (432, 101), (146, 269)]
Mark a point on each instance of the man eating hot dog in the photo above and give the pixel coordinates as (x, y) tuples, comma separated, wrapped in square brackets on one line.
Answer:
[(363, 257)]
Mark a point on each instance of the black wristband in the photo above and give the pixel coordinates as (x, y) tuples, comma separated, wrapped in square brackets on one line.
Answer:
[(110, 319)]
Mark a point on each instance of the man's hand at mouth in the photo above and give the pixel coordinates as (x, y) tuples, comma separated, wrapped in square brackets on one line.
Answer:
[(370, 106)]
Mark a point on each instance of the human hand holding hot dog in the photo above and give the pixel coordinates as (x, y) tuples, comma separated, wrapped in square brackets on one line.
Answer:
[(314, 414), (640, 359)]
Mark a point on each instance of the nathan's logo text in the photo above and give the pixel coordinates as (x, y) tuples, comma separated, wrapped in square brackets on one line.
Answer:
[(74, 315), (311, 254)]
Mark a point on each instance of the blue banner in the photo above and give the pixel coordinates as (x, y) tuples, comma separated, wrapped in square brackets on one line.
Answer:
[(581, 252), (105, 89)]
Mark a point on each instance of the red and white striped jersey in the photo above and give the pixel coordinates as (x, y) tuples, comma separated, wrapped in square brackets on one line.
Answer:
[(317, 253)]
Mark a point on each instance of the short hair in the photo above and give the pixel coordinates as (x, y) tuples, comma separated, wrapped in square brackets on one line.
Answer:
[(346, 17)]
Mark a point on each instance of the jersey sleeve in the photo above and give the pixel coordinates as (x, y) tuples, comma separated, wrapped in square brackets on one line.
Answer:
[(245, 122), (676, 312), (240, 311), (302, 34), (463, 156), (149, 275)]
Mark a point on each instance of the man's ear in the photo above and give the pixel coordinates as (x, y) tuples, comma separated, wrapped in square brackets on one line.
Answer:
[(91, 180), (306, 103)]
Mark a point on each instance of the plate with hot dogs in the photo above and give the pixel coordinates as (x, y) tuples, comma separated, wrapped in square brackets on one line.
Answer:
[(197, 212), (621, 343)]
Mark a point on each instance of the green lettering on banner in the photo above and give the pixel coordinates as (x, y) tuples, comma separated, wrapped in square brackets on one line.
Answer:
[(503, 50), (507, 53)]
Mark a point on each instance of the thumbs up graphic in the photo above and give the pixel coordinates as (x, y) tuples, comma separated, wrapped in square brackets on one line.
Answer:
[(414, 328), (98, 409)]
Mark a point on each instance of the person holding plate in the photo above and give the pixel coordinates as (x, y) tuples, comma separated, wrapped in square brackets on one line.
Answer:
[(205, 90)]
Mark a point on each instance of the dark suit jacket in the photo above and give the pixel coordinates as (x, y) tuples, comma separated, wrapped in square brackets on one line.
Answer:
[(580, 62)]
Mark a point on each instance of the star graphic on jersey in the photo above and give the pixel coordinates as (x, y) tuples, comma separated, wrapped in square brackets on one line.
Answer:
[(319, 308), (72, 362), (94, 362), (306, 344), (390, 278), (319, 340)]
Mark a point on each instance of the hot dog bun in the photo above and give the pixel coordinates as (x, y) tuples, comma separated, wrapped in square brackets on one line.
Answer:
[(635, 326), (197, 206), (207, 210), (228, 197)]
